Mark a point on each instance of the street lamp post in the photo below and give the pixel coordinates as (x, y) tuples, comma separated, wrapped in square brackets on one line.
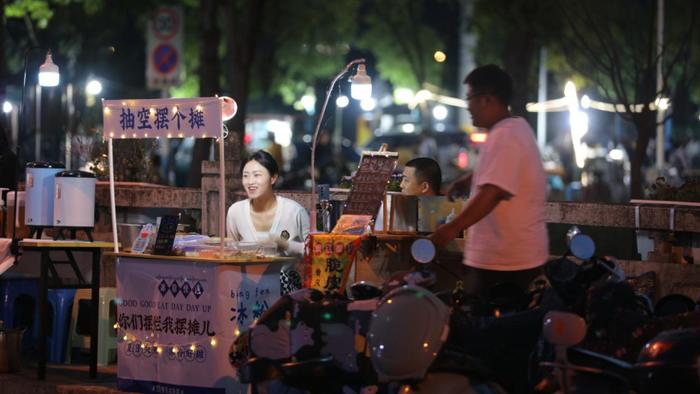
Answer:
[(361, 88), (48, 76)]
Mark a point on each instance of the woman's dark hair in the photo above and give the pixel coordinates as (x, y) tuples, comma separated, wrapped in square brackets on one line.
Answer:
[(264, 159)]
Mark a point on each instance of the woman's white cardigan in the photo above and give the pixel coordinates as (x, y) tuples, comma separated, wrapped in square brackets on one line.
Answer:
[(291, 222)]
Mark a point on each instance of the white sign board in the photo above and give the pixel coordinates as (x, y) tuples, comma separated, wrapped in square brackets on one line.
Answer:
[(164, 48), (198, 117), (177, 321)]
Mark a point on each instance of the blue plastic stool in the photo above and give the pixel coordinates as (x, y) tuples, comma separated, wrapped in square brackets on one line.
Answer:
[(19, 307), (60, 304), (19, 299)]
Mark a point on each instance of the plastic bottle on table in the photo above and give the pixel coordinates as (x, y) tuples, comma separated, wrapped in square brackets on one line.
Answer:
[(141, 242)]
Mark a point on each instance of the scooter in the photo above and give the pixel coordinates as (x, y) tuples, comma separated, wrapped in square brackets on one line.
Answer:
[(623, 346), (667, 364), (371, 341)]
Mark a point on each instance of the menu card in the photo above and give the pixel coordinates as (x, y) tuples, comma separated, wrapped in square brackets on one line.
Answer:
[(166, 235), (369, 183)]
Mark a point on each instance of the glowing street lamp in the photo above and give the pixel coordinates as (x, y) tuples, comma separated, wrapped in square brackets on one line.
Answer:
[(93, 87), (48, 76), (342, 101), (361, 88), (48, 72)]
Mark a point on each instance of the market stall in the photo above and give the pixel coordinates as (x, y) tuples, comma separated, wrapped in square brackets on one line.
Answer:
[(179, 316), (182, 299)]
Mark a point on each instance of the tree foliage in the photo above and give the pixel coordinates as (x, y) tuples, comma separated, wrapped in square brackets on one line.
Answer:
[(396, 33), (614, 45)]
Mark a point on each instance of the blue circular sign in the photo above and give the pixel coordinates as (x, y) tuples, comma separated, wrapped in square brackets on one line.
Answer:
[(165, 58)]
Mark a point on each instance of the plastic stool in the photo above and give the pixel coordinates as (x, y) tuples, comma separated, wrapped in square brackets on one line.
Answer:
[(60, 303), (106, 333), (19, 298)]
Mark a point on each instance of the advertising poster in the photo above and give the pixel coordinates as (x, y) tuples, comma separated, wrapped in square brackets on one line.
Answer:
[(177, 320)]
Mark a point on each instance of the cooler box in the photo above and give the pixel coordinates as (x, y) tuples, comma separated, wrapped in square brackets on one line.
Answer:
[(40, 189), (74, 199)]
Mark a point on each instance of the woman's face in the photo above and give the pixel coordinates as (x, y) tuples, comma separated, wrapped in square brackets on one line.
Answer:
[(257, 180)]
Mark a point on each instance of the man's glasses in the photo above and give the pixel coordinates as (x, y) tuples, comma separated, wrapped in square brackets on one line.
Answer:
[(473, 95)]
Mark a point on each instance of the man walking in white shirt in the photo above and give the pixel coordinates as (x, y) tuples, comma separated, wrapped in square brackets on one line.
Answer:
[(507, 238)]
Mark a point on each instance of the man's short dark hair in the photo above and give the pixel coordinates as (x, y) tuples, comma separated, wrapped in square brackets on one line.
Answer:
[(491, 79), (427, 170)]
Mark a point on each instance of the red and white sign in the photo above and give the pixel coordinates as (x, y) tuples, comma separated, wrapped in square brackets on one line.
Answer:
[(164, 48)]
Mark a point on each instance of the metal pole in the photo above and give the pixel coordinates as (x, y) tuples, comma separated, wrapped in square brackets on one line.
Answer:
[(315, 137), (113, 205), (541, 98), (467, 45), (659, 85), (37, 123)]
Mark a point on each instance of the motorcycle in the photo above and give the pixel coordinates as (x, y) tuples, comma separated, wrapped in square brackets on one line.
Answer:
[(611, 338), (668, 363), (373, 340)]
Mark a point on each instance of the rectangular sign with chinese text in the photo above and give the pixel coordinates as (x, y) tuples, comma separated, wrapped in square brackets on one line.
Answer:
[(177, 321), (198, 117)]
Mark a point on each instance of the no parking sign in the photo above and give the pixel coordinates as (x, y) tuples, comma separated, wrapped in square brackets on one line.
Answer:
[(164, 48)]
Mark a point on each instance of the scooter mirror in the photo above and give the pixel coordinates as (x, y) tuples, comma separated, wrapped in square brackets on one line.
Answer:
[(582, 246), (563, 328), (423, 250)]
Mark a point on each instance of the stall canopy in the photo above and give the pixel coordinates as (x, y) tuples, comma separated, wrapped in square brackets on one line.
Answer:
[(199, 117)]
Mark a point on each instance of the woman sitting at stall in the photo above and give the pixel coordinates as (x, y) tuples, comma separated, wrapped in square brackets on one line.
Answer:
[(264, 216)]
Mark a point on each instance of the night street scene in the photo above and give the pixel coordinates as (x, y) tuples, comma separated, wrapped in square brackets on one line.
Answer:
[(349, 196)]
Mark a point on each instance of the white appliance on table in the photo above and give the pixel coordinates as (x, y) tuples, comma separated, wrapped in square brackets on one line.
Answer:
[(74, 199), (39, 192)]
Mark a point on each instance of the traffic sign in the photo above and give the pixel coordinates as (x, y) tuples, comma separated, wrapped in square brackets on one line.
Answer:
[(165, 23), (165, 58), (164, 48)]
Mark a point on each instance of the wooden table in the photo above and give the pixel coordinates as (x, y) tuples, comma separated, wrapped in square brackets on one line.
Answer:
[(45, 247)]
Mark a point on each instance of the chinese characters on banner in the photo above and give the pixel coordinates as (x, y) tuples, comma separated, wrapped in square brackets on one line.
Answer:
[(328, 259), (162, 118), (369, 183), (177, 320)]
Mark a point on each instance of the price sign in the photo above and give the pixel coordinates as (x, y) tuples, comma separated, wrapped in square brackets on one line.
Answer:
[(369, 183)]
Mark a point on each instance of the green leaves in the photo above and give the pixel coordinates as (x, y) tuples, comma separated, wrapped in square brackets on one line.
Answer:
[(38, 11)]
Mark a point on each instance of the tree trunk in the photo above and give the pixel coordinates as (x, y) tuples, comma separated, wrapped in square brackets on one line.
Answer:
[(518, 59), (209, 72), (3, 74), (242, 32), (644, 122)]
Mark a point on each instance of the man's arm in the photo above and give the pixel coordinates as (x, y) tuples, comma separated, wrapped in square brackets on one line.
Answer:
[(486, 199), (460, 187)]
